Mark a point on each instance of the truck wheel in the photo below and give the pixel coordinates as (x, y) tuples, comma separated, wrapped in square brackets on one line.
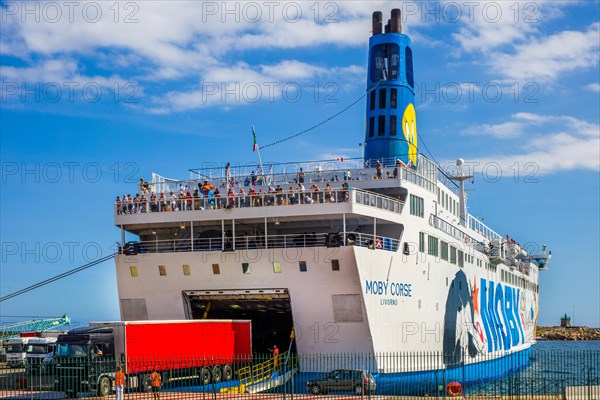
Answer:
[(205, 376), (104, 386), (217, 374), (227, 373)]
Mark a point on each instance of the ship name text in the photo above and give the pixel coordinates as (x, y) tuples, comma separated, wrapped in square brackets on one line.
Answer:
[(381, 288)]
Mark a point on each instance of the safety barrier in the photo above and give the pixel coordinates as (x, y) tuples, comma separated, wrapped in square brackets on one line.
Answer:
[(539, 374)]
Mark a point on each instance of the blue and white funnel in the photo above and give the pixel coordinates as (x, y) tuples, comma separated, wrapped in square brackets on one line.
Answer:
[(391, 128)]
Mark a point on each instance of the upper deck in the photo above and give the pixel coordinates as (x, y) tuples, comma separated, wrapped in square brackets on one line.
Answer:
[(331, 187), (335, 202)]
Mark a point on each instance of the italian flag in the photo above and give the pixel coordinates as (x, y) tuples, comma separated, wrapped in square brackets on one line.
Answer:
[(255, 145)]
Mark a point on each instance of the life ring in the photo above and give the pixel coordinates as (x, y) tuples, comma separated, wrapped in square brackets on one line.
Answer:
[(454, 389), (378, 243)]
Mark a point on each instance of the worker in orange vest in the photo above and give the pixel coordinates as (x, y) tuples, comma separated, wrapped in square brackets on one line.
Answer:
[(155, 376), (275, 357), (119, 383)]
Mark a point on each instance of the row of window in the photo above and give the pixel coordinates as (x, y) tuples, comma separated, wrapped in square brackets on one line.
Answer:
[(383, 98), (381, 125), (512, 279), (487, 265), (439, 248), (448, 203), (216, 268)]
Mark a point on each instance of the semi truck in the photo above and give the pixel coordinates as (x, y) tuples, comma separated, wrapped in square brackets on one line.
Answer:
[(200, 351), (16, 351), (39, 353)]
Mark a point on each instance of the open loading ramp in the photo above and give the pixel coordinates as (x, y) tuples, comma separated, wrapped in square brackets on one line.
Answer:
[(269, 309)]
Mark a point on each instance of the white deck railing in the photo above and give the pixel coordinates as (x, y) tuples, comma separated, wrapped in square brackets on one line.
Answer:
[(185, 204), (319, 172), (481, 228), (261, 242)]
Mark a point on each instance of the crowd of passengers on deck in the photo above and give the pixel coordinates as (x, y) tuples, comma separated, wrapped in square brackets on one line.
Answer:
[(206, 196)]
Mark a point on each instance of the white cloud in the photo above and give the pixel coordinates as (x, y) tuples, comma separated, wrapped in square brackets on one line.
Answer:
[(559, 152), (506, 130), (507, 34), (492, 24), (545, 59), (60, 71), (575, 125), (246, 84), (173, 41), (555, 143), (593, 87)]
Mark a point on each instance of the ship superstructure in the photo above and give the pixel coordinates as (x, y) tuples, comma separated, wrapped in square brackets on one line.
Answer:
[(374, 255)]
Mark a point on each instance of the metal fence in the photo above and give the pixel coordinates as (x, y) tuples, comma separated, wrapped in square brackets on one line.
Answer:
[(527, 375)]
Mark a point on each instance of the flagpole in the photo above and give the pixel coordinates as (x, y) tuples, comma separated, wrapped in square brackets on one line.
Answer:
[(259, 160)]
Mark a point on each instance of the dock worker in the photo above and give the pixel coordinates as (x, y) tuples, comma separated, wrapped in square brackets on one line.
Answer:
[(119, 383), (275, 357), (156, 379)]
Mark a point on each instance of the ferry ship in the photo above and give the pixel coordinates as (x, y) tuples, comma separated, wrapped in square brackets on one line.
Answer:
[(377, 255)]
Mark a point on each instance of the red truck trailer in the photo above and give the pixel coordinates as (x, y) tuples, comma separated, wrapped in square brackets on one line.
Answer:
[(201, 350)]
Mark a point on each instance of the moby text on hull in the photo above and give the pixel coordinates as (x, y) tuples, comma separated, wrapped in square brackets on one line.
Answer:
[(375, 255)]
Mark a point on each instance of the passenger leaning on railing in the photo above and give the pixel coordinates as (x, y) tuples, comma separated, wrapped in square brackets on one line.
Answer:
[(329, 198), (119, 206), (212, 200), (162, 201), (189, 201), (379, 169), (279, 195), (153, 203), (292, 198), (173, 199), (196, 196), (136, 204), (316, 197), (260, 198), (252, 196), (241, 201), (270, 198), (217, 197), (230, 198)]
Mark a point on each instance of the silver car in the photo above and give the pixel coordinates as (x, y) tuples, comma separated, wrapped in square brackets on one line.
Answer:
[(359, 382)]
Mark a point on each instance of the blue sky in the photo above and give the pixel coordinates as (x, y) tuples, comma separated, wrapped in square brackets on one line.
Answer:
[(97, 95)]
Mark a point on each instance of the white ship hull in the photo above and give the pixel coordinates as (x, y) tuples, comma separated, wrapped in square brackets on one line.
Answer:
[(377, 302)]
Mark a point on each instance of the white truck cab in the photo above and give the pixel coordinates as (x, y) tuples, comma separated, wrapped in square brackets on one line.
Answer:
[(16, 351), (39, 354)]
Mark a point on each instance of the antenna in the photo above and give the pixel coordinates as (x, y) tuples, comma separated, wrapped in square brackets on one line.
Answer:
[(463, 196)]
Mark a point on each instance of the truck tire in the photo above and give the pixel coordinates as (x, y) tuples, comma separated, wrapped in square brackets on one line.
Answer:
[(227, 373), (104, 386), (217, 374), (205, 376)]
